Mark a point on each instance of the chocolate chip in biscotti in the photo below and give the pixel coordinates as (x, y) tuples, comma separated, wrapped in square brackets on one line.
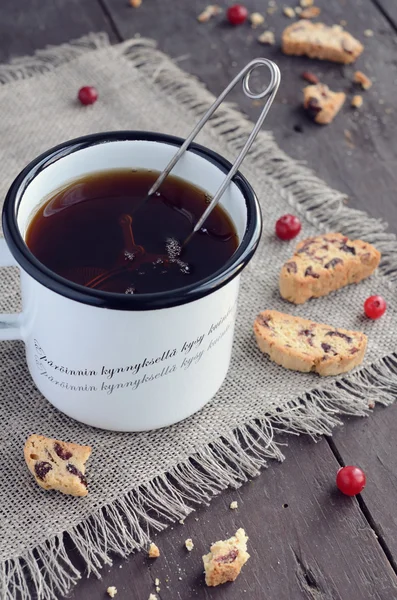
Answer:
[(291, 266), (57, 465), (341, 335), (310, 273), (41, 468), (324, 264), (332, 263), (303, 345)]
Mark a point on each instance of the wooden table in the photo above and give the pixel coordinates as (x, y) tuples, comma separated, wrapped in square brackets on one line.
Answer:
[(307, 541)]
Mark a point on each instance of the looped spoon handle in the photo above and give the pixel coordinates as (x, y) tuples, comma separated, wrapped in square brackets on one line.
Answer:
[(269, 92)]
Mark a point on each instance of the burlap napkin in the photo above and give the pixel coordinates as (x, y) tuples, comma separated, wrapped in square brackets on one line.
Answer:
[(231, 438)]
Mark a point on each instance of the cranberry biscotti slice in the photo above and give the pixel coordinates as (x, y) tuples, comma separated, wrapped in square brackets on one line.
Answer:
[(317, 40), (303, 345), (326, 263)]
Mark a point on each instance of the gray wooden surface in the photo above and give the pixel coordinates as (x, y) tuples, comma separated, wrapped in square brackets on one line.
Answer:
[(307, 541)]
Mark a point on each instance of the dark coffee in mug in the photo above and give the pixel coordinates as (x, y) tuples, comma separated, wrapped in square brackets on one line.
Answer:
[(98, 232)]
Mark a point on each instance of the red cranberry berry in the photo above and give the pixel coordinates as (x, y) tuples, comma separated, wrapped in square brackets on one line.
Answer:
[(375, 307), (351, 480), (88, 95), (288, 227), (237, 14)]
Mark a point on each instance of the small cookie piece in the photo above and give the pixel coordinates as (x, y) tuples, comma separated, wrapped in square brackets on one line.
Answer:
[(57, 465), (362, 79), (111, 591), (256, 19), (310, 13), (189, 544), (326, 263), (212, 10), (267, 37), (154, 551), (302, 345), (226, 558), (357, 101), (317, 40), (321, 103)]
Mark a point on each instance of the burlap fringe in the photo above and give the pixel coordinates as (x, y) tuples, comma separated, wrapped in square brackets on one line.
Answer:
[(126, 524)]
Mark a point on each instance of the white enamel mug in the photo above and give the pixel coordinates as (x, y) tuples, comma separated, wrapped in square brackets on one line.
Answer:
[(116, 361)]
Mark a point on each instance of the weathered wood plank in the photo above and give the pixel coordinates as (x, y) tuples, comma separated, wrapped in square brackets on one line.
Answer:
[(28, 25), (307, 542), (371, 445), (320, 546), (364, 169), (389, 8)]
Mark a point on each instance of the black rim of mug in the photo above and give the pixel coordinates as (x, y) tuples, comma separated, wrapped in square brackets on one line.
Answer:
[(159, 300)]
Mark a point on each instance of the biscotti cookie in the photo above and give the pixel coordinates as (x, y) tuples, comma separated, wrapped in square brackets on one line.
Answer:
[(326, 263), (303, 345), (321, 103), (57, 465), (226, 558), (317, 40)]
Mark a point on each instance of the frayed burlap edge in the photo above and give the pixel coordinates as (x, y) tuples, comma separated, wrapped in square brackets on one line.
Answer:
[(126, 524)]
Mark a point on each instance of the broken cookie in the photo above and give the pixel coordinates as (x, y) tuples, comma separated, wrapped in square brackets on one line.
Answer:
[(57, 465), (226, 558), (321, 103)]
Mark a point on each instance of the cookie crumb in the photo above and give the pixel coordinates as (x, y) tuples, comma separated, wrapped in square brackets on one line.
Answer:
[(182, 521), (111, 591), (189, 544), (180, 578), (256, 20), (152, 597), (306, 3), (362, 79), (267, 37), (289, 12), (157, 581), (135, 3), (368, 33), (154, 551), (310, 13), (157, 589), (234, 505), (357, 101), (212, 10)]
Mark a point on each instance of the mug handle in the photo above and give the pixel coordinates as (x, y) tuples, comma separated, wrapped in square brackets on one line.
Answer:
[(9, 323)]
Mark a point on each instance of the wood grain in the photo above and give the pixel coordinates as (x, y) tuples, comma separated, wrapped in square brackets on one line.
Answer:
[(371, 444), (28, 25), (389, 8), (306, 540), (214, 52)]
